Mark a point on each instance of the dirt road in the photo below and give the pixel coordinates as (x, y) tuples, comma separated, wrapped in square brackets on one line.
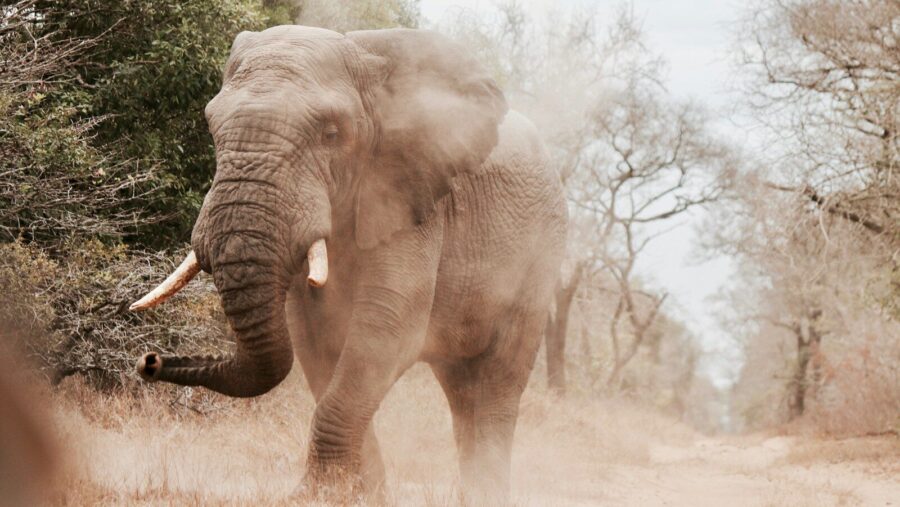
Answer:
[(718, 472)]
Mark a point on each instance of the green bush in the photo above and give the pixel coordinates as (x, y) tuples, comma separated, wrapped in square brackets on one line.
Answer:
[(56, 185), (154, 67)]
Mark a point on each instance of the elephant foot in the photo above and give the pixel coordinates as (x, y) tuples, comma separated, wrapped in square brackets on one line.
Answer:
[(375, 492), (313, 493), (334, 485)]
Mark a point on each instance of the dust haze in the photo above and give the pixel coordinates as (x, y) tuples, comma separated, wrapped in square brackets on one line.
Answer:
[(192, 448), (621, 407)]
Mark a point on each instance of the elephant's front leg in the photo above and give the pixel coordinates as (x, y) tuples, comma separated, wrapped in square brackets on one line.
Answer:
[(392, 301)]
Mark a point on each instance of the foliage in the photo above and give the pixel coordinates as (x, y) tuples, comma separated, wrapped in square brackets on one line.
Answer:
[(348, 15), (149, 74), (72, 316), (55, 183), (66, 202)]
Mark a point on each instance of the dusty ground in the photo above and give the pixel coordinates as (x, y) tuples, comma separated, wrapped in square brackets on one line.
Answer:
[(756, 472), (143, 451)]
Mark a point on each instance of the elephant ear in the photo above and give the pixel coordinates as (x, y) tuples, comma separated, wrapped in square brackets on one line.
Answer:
[(437, 113)]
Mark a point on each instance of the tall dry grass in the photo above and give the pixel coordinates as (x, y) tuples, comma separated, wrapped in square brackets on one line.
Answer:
[(168, 445)]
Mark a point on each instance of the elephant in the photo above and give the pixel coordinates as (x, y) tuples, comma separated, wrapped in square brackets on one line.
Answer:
[(375, 204)]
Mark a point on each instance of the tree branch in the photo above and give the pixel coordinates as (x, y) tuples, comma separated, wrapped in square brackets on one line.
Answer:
[(822, 203)]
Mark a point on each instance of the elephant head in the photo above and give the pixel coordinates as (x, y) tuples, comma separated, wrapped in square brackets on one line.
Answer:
[(313, 129)]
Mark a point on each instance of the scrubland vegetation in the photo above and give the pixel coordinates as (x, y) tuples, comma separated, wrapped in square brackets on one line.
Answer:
[(105, 157), (816, 223)]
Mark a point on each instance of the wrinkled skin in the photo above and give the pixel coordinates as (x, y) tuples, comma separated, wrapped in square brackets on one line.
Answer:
[(444, 229)]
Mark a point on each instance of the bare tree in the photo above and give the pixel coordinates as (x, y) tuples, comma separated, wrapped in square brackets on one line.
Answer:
[(827, 84), (652, 161), (814, 304), (815, 227)]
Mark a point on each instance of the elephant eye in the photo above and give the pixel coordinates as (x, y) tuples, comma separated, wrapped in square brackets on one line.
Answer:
[(330, 134)]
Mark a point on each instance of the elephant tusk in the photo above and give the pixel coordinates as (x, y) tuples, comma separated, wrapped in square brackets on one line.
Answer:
[(175, 282), (317, 255)]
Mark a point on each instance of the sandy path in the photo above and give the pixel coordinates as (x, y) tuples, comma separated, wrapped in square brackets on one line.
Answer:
[(717, 472)]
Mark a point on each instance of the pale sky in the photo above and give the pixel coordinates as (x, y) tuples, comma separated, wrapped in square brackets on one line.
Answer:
[(694, 36)]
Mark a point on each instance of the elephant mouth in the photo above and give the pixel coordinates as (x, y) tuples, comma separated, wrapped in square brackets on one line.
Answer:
[(317, 257)]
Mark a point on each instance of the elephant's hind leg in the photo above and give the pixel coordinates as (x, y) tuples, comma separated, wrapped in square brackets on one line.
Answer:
[(456, 381), (484, 394), (485, 409)]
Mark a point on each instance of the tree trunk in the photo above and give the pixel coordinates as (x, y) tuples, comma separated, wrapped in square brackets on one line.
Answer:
[(639, 329), (587, 360), (555, 333), (797, 401), (807, 344)]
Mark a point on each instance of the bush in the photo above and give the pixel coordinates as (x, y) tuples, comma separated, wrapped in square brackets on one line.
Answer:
[(71, 315), (67, 202), (152, 69), (56, 185), (55, 182)]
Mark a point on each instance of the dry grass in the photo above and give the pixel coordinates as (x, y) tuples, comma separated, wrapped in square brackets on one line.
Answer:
[(878, 454), (173, 446), (156, 447)]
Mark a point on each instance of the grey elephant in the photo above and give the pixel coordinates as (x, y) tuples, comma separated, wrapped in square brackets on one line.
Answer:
[(385, 163)]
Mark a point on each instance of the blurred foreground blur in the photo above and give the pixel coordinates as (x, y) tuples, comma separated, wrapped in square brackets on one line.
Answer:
[(27, 449)]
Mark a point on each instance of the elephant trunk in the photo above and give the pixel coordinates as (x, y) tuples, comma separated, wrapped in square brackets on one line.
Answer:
[(247, 238), (253, 296)]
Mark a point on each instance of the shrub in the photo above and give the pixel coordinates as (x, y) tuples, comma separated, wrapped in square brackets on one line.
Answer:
[(71, 315), (55, 183), (152, 69)]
